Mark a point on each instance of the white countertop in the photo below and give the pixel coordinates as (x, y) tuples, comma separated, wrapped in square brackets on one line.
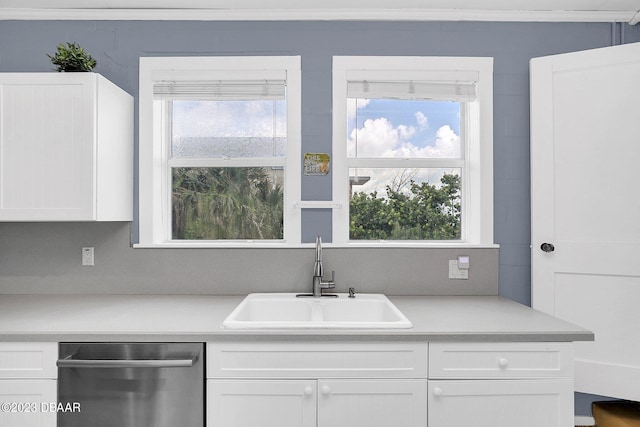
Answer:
[(199, 318)]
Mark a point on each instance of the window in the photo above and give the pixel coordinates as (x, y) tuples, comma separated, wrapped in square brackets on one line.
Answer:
[(412, 148), (219, 150)]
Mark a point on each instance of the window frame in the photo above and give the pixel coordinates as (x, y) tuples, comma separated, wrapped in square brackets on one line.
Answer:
[(476, 149), (154, 147)]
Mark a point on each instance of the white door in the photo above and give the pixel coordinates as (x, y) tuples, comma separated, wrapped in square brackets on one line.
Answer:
[(264, 403), (585, 190), (372, 403), (27, 403), (501, 403)]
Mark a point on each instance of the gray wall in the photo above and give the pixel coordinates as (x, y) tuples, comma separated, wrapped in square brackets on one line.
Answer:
[(118, 45), (45, 258)]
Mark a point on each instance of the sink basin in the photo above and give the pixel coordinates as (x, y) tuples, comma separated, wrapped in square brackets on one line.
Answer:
[(284, 311)]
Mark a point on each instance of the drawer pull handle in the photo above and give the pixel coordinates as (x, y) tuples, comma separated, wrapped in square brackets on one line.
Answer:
[(437, 391), (308, 391), (503, 362), (326, 390)]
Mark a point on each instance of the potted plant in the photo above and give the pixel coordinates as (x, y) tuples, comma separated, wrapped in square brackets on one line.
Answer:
[(71, 57)]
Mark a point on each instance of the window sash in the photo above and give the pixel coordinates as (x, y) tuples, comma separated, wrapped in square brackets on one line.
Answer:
[(155, 158), (476, 136)]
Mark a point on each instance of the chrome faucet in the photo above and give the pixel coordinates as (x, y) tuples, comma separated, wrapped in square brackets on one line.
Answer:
[(318, 281)]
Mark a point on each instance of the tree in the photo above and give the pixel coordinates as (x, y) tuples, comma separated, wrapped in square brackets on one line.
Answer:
[(425, 212), (226, 203)]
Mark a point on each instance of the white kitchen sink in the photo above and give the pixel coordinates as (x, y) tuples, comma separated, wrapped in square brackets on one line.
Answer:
[(285, 310)]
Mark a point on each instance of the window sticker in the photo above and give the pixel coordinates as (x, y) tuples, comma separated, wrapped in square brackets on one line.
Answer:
[(316, 164)]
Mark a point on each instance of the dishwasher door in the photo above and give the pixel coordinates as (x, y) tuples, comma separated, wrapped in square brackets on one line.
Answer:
[(131, 384)]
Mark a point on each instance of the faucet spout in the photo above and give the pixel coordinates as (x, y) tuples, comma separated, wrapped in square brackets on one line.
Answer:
[(318, 281), (317, 267)]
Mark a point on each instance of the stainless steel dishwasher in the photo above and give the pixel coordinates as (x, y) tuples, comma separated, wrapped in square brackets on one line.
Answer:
[(131, 384)]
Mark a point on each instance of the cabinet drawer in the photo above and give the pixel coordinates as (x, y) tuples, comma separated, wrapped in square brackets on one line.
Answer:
[(500, 360), (317, 360), (28, 360)]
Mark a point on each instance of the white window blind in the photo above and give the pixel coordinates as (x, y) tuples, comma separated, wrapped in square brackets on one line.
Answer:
[(463, 91), (220, 90)]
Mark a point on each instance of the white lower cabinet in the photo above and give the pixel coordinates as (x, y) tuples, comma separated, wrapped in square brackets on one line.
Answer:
[(309, 384), (28, 384), (399, 384), (500, 384)]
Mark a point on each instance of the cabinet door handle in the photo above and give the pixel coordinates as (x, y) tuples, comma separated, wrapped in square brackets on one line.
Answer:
[(308, 391), (437, 391), (326, 390), (503, 362)]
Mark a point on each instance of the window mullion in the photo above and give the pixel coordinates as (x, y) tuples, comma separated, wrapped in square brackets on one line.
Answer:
[(404, 163)]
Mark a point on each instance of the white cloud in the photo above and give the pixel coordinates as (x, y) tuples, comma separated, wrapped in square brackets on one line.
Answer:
[(379, 138), (355, 104), (447, 144), (423, 122)]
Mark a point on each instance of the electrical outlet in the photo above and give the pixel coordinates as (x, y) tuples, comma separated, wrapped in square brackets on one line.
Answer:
[(457, 273), (87, 256)]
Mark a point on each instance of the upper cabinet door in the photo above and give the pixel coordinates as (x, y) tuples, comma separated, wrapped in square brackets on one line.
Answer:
[(66, 148), (585, 156)]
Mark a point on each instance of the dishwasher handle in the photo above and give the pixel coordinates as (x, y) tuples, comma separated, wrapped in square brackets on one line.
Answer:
[(69, 362)]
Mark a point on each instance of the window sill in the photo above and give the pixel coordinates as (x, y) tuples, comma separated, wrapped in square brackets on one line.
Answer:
[(272, 245)]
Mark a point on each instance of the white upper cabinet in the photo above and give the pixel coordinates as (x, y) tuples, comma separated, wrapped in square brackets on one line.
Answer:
[(66, 148)]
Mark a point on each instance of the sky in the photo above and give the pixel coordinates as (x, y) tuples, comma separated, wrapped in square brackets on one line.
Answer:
[(386, 128)]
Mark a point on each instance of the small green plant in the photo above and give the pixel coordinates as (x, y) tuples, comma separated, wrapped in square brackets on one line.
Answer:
[(71, 57)]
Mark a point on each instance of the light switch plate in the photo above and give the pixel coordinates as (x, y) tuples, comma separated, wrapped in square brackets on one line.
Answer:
[(455, 272)]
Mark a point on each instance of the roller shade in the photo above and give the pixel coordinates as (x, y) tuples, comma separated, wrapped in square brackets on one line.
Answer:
[(463, 91), (220, 90)]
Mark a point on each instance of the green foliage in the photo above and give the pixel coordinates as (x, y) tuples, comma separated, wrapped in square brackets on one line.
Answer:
[(72, 57), (226, 203), (425, 212)]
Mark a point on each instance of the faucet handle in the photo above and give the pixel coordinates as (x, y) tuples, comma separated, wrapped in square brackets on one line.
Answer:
[(329, 284)]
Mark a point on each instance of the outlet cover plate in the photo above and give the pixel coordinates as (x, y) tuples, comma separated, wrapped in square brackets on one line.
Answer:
[(456, 273)]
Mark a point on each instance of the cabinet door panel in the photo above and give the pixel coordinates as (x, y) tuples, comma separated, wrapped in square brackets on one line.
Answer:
[(47, 145), (498, 403), (264, 403), (372, 403), (28, 360), (26, 403)]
